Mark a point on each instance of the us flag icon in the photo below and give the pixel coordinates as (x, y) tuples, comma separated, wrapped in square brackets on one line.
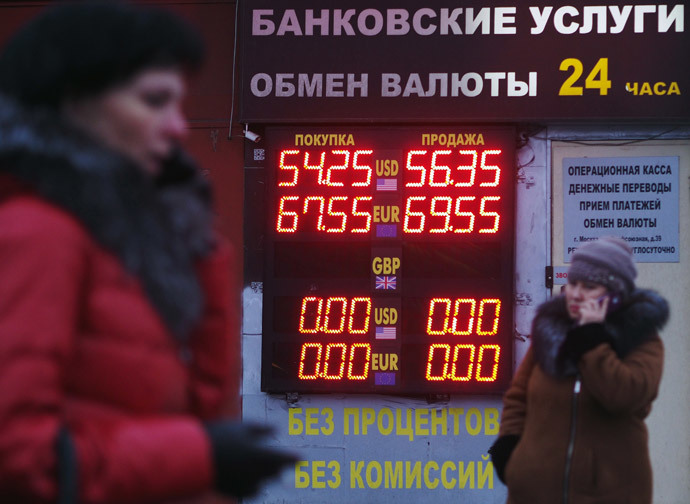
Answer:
[(386, 184), (386, 332), (385, 282)]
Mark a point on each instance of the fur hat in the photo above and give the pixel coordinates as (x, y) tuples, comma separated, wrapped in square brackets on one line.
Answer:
[(607, 261)]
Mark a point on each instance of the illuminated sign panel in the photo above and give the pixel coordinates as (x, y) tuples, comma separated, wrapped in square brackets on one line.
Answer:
[(389, 260), (470, 61)]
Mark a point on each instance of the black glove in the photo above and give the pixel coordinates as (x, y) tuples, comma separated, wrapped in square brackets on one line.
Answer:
[(501, 451), (241, 462), (582, 339)]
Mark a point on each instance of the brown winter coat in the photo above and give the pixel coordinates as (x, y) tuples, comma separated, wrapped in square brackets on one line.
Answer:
[(610, 460)]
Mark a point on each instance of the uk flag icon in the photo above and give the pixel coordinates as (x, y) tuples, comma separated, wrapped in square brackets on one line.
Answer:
[(386, 282)]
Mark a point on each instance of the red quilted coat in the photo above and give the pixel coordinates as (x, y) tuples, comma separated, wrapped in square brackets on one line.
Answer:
[(108, 331)]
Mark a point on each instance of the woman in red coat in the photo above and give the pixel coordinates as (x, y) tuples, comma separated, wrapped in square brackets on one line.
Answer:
[(114, 303), (572, 429)]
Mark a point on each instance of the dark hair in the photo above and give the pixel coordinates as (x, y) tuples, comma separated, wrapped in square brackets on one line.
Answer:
[(76, 50)]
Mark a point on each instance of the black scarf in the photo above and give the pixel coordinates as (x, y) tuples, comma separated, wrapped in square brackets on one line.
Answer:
[(636, 321), (158, 228)]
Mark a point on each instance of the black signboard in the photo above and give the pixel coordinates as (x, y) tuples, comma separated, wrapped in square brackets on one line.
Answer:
[(474, 60)]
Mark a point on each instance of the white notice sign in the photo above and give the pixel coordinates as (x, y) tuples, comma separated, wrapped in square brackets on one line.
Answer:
[(635, 198)]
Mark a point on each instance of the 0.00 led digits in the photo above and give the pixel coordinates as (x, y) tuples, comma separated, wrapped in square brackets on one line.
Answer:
[(457, 317), (315, 363), (463, 362), (456, 362), (332, 316)]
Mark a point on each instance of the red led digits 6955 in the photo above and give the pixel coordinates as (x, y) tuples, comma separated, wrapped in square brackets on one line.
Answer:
[(463, 361), (336, 315), (456, 211)]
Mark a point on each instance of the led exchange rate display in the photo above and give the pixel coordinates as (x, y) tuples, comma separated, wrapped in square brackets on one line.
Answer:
[(389, 260)]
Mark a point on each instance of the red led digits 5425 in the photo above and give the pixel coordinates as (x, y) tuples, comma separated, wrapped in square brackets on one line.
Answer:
[(322, 173)]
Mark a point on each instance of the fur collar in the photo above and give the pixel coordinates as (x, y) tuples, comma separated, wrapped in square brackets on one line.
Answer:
[(639, 318), (157, 228)]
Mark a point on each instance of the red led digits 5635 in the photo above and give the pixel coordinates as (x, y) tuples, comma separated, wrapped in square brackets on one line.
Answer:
[(463, 361), (456, 212)]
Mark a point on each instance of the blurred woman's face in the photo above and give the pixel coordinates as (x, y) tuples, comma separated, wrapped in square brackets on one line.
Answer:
[(141, 119), (580, 293)]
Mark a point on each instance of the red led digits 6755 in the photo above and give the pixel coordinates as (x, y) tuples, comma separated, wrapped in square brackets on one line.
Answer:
[(463, 361)]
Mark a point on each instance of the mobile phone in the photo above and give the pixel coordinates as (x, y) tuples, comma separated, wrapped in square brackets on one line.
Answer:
[(614, 301)]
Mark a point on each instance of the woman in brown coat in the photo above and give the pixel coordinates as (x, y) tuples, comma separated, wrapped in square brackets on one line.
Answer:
[(572, 428)]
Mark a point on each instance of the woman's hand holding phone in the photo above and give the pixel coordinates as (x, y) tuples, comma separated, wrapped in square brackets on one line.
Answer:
[(594, 311)]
